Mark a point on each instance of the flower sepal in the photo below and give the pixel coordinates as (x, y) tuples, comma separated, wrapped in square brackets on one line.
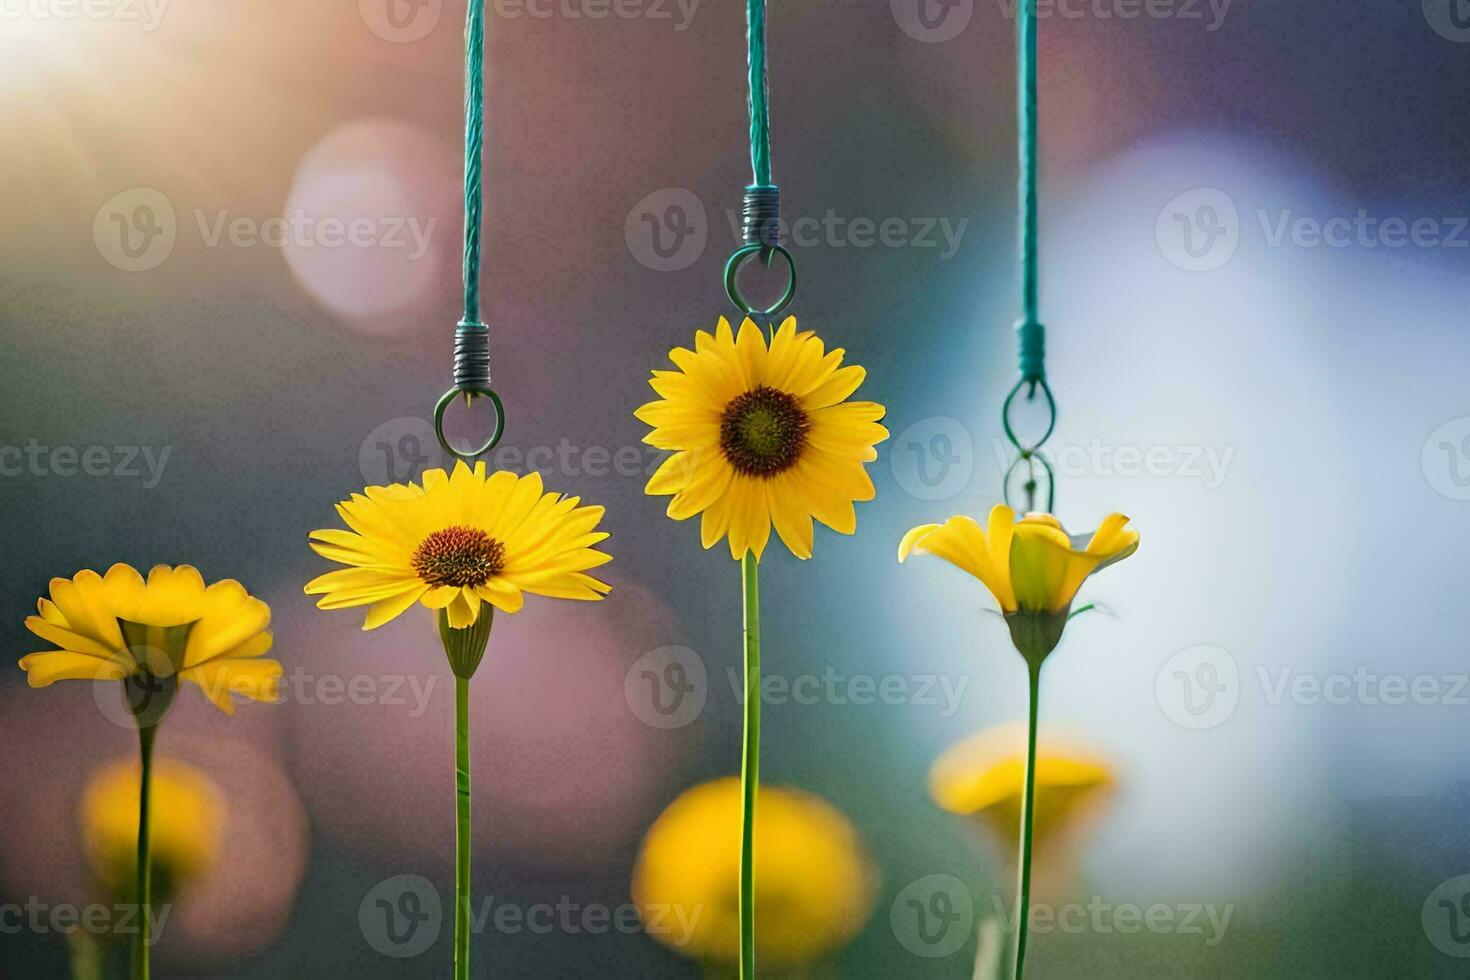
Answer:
[(158, 655), (465, 648), (1036, 634)]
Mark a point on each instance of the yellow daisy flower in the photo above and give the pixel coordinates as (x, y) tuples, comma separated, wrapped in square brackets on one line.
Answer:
[(186, 823), (815, 883), (984, 775), (152, 634), (761, 435), (457, 541), (1031, 566)]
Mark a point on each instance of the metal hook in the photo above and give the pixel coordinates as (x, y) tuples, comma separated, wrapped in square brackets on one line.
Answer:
[(470, 394), (732, 271)]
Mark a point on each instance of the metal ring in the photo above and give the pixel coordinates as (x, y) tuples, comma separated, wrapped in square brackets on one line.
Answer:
[(1051, 412), (1031, 457), (443, 406), (732, 270)]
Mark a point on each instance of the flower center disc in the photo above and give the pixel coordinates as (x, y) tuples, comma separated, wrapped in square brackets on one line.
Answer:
[(762, 431), (459, 556)]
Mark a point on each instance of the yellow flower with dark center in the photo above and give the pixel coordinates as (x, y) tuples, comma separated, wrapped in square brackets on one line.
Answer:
[(456, 541), (152, 634), (762, 434), (814, 880), (1031, 566), (984, 776), (186, 824)]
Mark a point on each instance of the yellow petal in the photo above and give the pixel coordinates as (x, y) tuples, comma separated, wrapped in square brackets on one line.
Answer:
[(386, 610), (223, 679), (45, 669)]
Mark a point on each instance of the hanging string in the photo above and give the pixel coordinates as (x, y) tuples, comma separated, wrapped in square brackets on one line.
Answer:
[(760, 114), (761, 210), (1030, 334), (471, 336)]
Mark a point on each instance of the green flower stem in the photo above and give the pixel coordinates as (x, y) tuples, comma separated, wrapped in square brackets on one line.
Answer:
[(750, 763), (462, 828), (144, 870), (1023, 886), (85, 954)]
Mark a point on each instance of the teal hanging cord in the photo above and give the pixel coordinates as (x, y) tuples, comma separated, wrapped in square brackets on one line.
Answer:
[(1027, 192), (760, 113), (471, 336), (761, 212), (474, 148), (1030, 334)]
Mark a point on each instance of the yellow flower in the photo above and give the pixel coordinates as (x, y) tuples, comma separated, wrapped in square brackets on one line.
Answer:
[(1031, 566), (457, 541), (762, 434), (186, 823), (984, 776), (814, 881), (152, 634)]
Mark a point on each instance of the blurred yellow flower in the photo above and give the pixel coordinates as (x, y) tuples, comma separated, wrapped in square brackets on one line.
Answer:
[(186, 821), (457, 541), (1031, 566), (815, 883), (762, 434), (153, 634), (984, 775)]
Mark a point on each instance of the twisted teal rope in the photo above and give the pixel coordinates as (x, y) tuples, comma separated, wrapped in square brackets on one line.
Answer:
[(1031, 335), (474, 145), (760, 114)]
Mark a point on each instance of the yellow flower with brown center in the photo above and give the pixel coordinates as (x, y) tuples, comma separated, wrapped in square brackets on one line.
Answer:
[(152, 634), (456, 541), (1031, 566), (762, 434), (814, 880), (984, 775), (186, 824)]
